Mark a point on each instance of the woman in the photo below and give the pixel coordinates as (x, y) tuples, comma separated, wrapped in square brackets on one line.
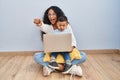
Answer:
[(50, 17)]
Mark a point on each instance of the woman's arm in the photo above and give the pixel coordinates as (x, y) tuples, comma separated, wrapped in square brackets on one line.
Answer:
[(43, 27), (46, 28), (73, 37)]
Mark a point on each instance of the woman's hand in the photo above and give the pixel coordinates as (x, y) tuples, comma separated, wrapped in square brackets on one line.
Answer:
[(37, 22)]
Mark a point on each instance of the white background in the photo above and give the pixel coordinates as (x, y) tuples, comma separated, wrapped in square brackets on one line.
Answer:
[(95, 23)]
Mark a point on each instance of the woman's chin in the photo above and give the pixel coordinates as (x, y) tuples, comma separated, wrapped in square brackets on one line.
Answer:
[(52, 22)]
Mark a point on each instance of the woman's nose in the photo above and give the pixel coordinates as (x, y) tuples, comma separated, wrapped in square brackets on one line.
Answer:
[(51, 16)]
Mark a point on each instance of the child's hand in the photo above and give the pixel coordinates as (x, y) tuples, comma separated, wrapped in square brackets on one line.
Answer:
[(37, 22), (72, 48)]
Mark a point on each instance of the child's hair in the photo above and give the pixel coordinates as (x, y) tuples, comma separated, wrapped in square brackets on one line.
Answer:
[(62, 18)]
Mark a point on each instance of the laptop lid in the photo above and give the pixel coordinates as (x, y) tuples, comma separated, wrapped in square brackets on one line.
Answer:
[(57, 42)]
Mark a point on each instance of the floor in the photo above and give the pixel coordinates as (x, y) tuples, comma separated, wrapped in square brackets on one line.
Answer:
[(96, 67)]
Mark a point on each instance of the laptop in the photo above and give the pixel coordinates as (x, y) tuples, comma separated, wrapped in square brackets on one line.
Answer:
[(57, 42)]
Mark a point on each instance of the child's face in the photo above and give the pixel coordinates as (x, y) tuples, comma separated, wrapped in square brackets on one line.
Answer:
[(62, 25)]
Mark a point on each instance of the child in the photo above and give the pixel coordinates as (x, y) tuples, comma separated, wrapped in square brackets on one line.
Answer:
[(62, 24)]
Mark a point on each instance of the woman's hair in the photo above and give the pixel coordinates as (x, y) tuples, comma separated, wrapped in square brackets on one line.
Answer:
[(46, 20), (56, 9)]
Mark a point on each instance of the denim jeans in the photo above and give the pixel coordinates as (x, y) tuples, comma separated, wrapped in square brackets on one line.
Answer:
[(38, 57), (65, 55)]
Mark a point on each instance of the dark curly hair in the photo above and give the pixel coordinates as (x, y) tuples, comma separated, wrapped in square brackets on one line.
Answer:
[(46, 20)]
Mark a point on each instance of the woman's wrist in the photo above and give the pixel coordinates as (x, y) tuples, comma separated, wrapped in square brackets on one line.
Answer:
[(39, 25)]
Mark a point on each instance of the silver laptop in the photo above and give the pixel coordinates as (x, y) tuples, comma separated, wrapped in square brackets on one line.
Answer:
[(57, 42)]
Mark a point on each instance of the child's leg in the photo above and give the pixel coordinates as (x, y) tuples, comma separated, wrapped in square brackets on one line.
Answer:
[(53, 63), (68, 65), (75, 62), (66, 57), (53, 56)]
